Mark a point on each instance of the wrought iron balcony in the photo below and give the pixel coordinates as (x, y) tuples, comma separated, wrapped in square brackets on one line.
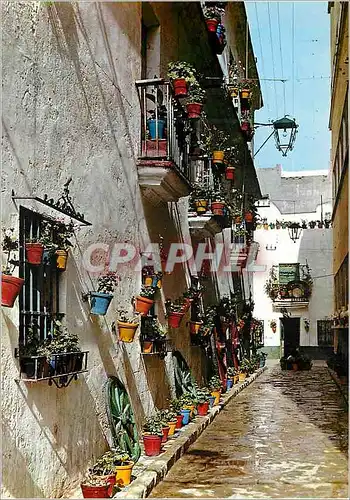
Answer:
[(164, 167)]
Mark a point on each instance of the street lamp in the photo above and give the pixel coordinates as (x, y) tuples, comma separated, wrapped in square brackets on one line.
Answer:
[(294, 231), (285, 140)]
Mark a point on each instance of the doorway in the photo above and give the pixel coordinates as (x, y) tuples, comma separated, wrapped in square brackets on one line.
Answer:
[(290, 329)]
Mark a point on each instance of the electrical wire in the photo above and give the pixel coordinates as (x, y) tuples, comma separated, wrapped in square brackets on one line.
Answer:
[(262, 57), (280, 44), (273, 58)]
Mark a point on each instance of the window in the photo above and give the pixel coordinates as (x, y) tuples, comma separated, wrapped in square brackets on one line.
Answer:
[(341, 285), (39, 299), (288, 272), (324, 333)]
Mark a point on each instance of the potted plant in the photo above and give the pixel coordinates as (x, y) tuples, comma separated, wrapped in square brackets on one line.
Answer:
[(218, 203), (244, 367), (196, 96), (169, 419), (181, 74), (145, 300), (195, 327), (156, 125), (188, 405), (230, 172), (212, 16), (127, 326), (273, 325), (10, 285), (231, 372), (215, 388), (200, 196), (202, 397), (34, 251), (152, 332), (117, 463), (62, 234), (218, 144), (95, 487), (152, 435), (101, 299), (175, 406), (33, 365), (175, 312)]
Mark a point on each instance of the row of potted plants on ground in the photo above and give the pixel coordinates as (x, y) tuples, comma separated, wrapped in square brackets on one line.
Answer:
[(295, 361)]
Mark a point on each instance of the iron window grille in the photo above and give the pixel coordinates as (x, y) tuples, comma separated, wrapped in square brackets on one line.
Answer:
[(324, 333)]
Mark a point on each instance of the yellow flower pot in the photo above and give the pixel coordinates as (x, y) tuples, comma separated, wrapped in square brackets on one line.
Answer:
[(242, 377), (235, 379), (61, 259), (127, 331), (195, 327), (148, 281), (234, 92), (191, 408), (216, 395), (123, 474), (201, 205), (245, 94), (172, 427), (218, 156)]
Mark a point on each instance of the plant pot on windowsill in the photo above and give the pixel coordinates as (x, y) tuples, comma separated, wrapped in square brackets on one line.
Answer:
[(61, 259), (194, 109), (180, 87), (127, 331), (217, 207), (100, 302), (34, 252), (10, 289), (230, 173)]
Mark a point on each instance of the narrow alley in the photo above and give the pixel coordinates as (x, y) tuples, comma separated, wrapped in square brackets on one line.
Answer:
[(284, 436)]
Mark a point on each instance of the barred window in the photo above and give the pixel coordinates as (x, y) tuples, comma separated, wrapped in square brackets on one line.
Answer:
[(324, 333)]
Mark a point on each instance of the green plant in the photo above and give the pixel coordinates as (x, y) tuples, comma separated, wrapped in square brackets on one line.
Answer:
[(9, 246), (213, 12), (200, 192), (153, 425), (202, 394), (147, 291), (231, 371), (175, 405), (188, 399), (59, 341), (195, 93), (214, 383), (176, 306), (107, 282), (166, 416), (107, 463), (271, 286), (91, 480), (32, 342), (182, 69), (125, 317), (244, 365), (152, 329)]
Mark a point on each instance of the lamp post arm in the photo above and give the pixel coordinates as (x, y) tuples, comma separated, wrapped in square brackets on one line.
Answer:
[(263, 144)]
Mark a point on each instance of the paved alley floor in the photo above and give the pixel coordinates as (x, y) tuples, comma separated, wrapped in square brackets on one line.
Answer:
[(284, 436)]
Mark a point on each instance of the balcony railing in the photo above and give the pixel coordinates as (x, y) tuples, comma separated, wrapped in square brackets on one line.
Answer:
[(293, 292), (164, 126)]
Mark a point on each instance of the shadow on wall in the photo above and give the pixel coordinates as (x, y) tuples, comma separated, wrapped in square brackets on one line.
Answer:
[(157, 378)]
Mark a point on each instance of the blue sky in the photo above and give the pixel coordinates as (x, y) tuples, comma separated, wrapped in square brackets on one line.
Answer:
[(311, 93)]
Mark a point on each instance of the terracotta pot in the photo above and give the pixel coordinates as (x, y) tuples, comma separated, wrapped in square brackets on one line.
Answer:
[(34, 253), (152, 444), (165, 431), (212, 25), (195, 327), (217, 207), (147, 346), (95, 491), (218, 156), (172, 427), (203, 408), (61, 259), (248, 216), (179, 421), (194, 109), (201, 205), (230, 173), (180, 87), (174, 319), (10, 289), (123, 474), (127, 331), (143, 305)]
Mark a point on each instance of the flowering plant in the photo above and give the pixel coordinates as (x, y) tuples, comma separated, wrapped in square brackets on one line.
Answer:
[(9, 246), (107, 282)]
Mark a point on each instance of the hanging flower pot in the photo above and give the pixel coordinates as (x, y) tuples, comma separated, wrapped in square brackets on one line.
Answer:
[(194, 109), (148, 281), (156, 128), (217, 207), (245, 94), (165, 431), (10, 289), (147, 346), (180, 87), (201, 206), (218, 157), (248, 216), (127, 331), (143, 305), (34, 253), (174, 319), (101, 491), (203, 408), (234, 92), (230, 173), (152, 444), (100, 302), (123, 474), (61, 259), (212, 25), (179, 419), (195, 327)]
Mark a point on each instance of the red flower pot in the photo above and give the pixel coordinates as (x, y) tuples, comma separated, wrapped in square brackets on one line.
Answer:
[(248, 217), (194, 109), (143, 305), (217, 208), (203, 408), (165, 431), (178, 421), (152, 445), (34, 253), (95, 491), (174, 319), (212, 24), (230, 173), (180, 87), (10, 288)]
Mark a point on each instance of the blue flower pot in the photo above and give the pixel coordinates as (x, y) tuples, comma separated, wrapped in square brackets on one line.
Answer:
[(229, 383), (186, 416), (211, 401), (153, 130), (100, 302)]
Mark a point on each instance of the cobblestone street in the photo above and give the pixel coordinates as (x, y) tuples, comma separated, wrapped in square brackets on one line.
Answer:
[(284, 436)]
